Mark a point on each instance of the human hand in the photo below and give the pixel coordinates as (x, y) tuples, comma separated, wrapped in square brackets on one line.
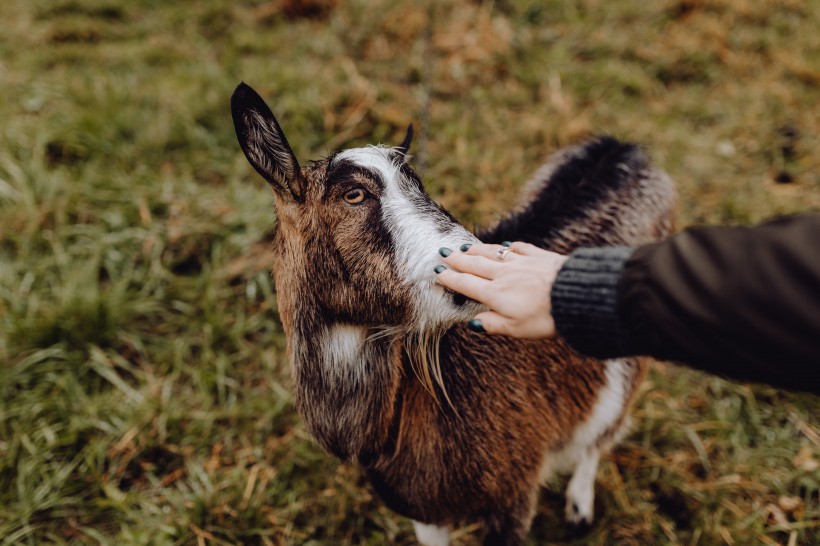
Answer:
[(517, 289)]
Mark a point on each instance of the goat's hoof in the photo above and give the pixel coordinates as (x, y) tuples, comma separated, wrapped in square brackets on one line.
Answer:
[(577, 531), (578, 514)]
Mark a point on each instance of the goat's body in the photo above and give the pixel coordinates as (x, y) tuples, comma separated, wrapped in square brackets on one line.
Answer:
[(518, 410), (513, 421), (512, 411)]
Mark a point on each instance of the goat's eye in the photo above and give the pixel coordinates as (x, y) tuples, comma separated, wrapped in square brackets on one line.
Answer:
[(355, 196)]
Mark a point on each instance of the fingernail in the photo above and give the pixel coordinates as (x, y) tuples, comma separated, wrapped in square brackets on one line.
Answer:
[(439, 268), (476, 326), (465, 247), (444, 251), (506, 243)]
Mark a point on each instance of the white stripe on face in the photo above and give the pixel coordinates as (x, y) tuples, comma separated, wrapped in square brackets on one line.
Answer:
[(418, 229)]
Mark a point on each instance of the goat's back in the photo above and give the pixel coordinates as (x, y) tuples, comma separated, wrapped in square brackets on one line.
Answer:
[(600, 193)]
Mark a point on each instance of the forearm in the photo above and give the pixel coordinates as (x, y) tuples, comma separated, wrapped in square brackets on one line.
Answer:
[(741, 302)]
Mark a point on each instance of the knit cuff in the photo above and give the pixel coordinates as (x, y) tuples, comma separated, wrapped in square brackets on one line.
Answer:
[(585, 301)]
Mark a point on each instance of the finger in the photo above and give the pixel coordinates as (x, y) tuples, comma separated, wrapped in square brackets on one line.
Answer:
[(474, 265), (488, 251), (471, 286), (526, 249), (490, 322)]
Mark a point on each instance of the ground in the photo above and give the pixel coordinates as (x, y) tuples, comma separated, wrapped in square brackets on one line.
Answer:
[(144, 390)]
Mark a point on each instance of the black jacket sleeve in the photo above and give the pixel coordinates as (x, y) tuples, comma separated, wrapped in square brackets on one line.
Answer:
[(736, 301)]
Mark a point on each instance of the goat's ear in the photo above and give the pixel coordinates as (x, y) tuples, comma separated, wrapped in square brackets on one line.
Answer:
[(264, 143), (404, 147)]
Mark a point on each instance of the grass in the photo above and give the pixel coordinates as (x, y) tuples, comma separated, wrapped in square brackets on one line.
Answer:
[(144, 390)]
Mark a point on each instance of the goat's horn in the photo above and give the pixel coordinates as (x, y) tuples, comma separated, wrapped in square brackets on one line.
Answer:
[(408, 138)]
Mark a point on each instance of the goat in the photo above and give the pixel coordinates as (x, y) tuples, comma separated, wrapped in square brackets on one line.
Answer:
[(355, 245)]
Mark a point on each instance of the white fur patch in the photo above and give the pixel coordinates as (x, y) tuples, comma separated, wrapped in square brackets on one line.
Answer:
[(431, 535), (418, 230), (605, 413), (581, 454), (581, 488), (341, 347)]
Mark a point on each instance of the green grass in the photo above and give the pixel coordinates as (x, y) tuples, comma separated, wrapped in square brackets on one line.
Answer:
[(144, 390)]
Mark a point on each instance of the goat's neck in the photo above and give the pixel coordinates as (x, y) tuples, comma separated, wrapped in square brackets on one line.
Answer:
[(346, 379)]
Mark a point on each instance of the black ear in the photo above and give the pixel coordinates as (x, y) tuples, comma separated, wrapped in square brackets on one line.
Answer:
[(264, 143), (404, 147)]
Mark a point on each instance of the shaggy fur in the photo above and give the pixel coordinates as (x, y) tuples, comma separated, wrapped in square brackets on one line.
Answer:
[(357, 292)]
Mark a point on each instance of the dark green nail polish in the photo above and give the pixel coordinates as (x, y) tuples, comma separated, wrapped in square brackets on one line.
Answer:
[(439, 268), (476, 326), (507, 243), (444, 251), (465, 247)]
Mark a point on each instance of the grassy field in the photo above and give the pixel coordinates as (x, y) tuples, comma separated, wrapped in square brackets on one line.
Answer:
[(144, 390)]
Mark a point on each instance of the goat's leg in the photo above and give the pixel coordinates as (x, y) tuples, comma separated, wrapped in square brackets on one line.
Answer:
[(511, 528), (431, 535), (581, 489)]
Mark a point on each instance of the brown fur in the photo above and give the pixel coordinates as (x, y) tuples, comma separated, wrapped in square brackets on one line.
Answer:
[(315, 241), (484, 453), (480, 457)]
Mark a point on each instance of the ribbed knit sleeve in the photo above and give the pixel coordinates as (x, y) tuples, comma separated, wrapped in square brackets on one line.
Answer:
[(585, 301), (734, 301)]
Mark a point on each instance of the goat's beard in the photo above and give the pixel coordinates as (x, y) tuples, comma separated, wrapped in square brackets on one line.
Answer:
[(423, 337)]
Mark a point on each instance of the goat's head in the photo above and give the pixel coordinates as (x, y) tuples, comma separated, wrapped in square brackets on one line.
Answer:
[(357, 235)]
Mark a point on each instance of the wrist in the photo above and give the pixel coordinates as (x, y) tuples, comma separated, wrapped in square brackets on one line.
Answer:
[(584, 300)]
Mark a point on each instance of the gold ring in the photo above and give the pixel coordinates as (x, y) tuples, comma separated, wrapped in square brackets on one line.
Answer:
[(501, 253)]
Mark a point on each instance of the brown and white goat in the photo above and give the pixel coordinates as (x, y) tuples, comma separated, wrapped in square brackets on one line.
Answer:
[(355, 246)]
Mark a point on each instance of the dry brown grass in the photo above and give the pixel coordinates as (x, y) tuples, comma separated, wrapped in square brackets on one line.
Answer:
[(143, 386)]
